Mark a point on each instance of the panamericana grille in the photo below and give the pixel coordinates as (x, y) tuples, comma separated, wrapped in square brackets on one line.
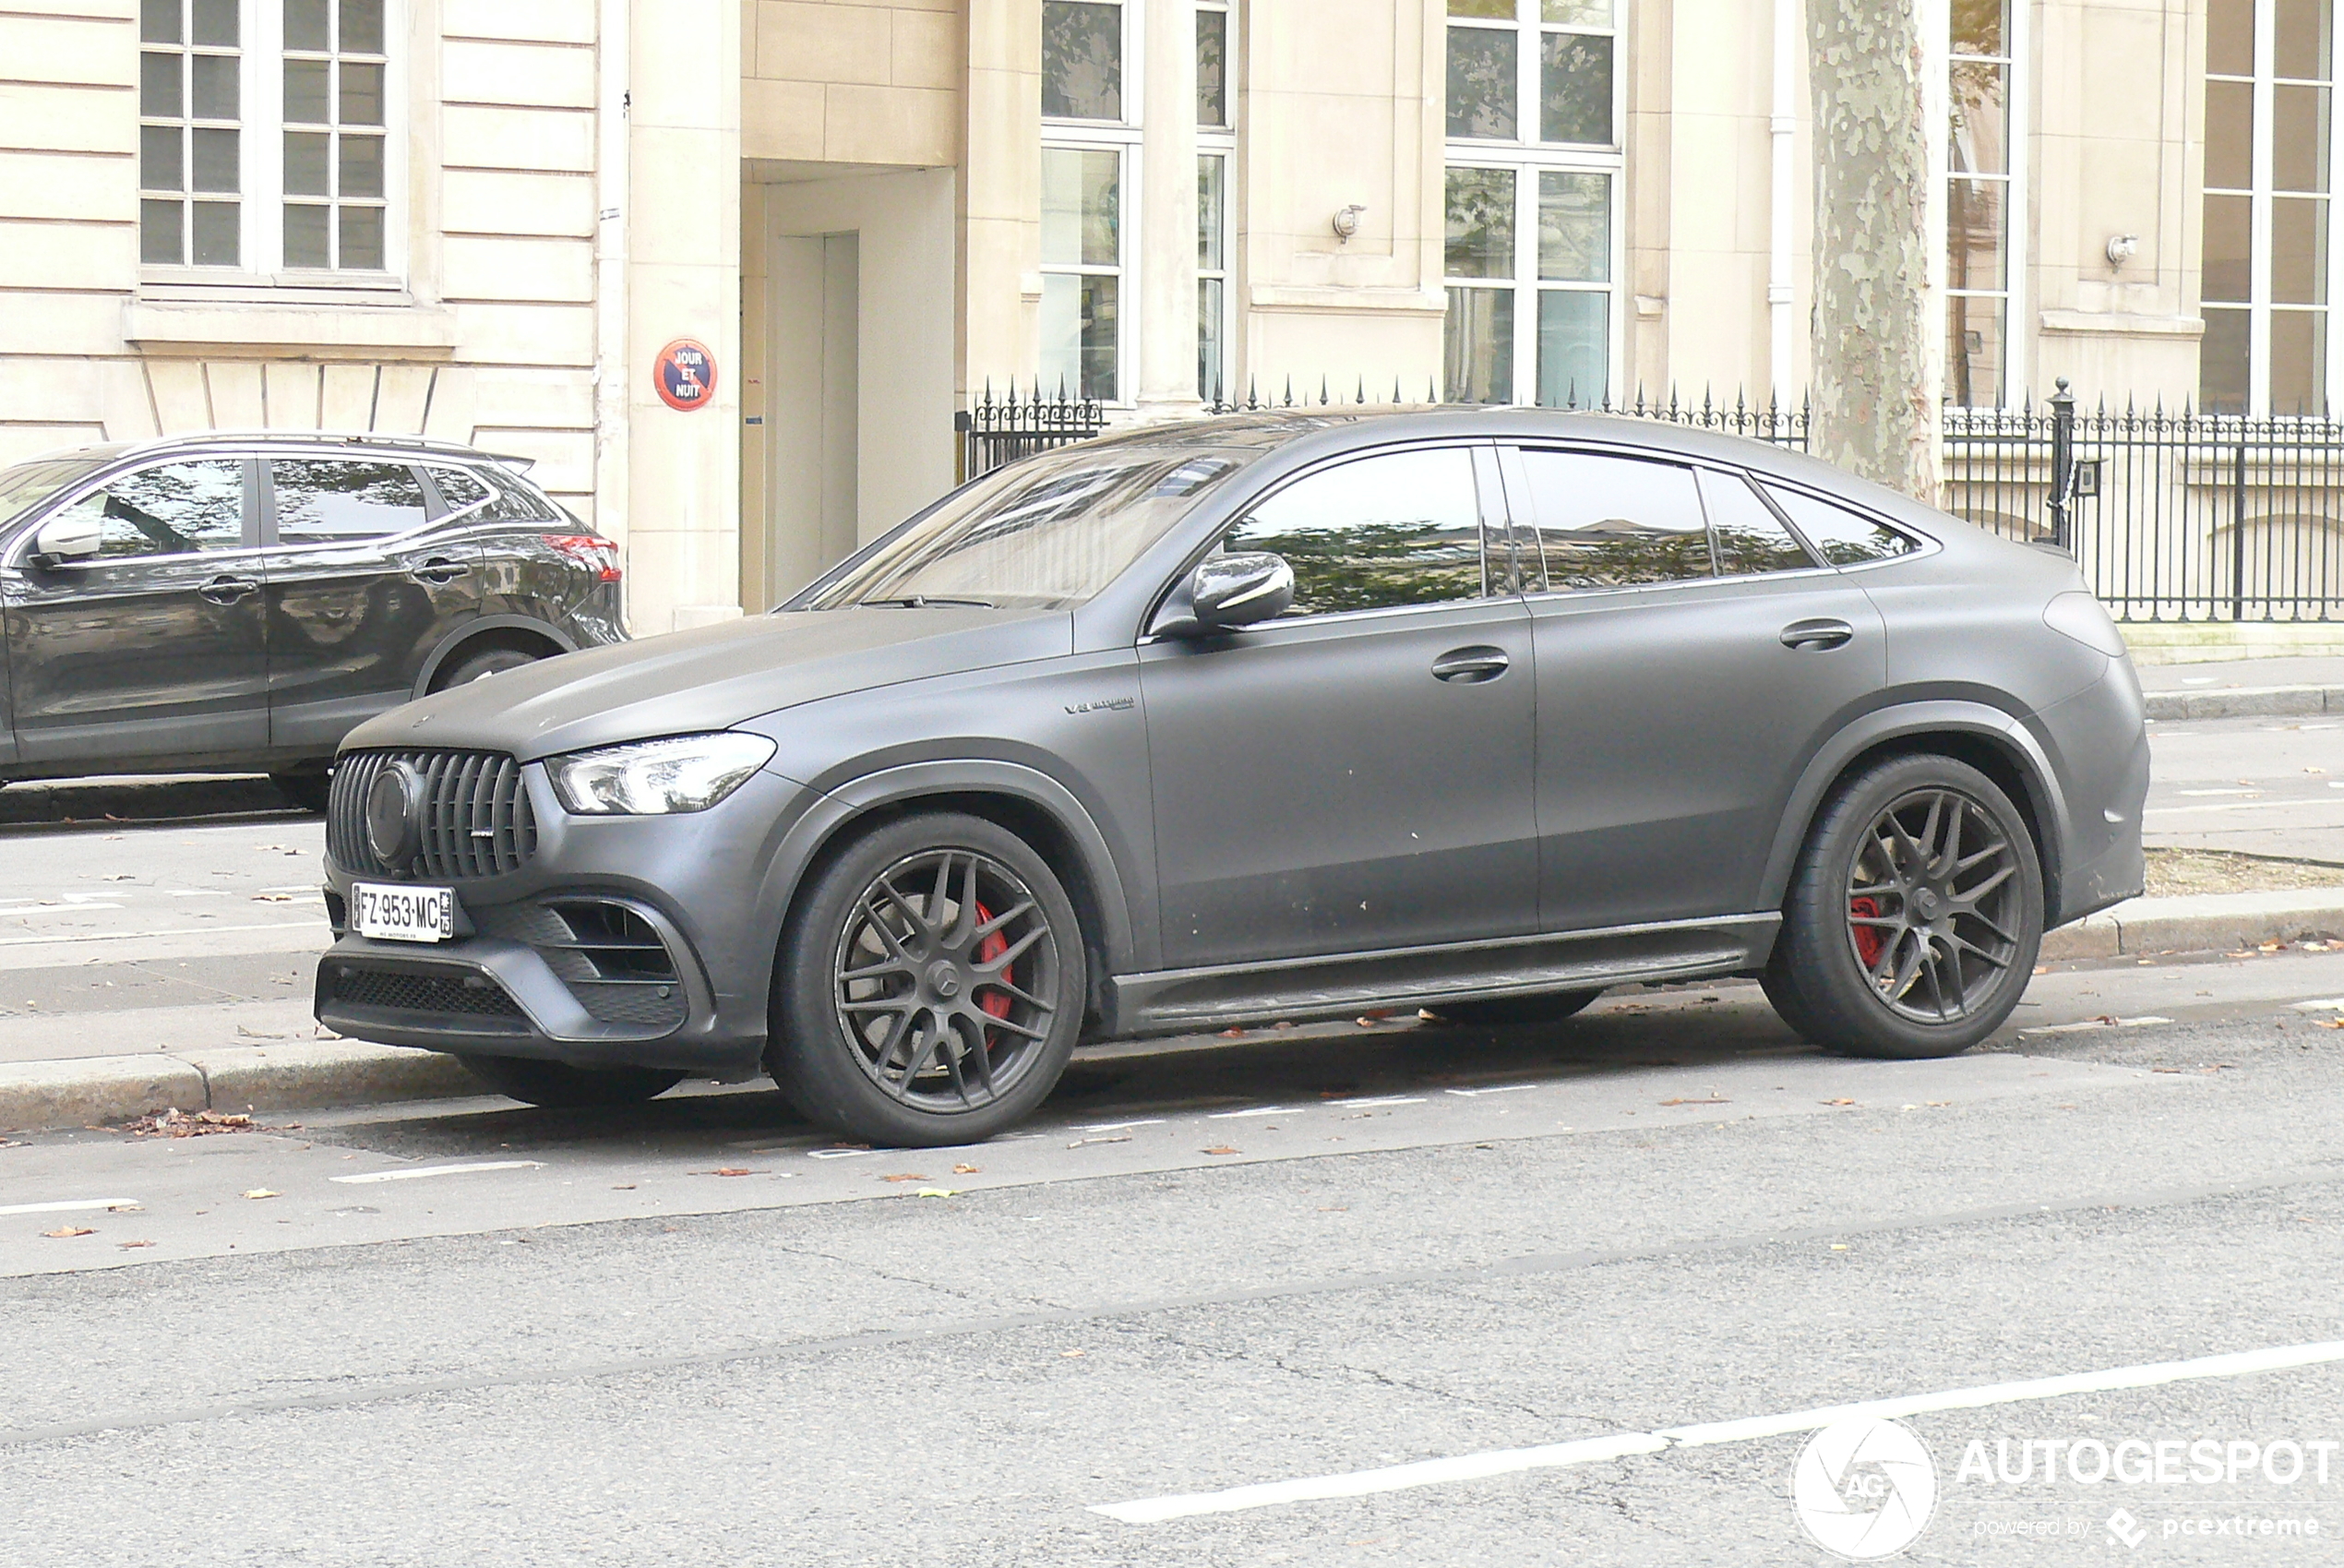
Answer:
[(395, 992), (476, 820)]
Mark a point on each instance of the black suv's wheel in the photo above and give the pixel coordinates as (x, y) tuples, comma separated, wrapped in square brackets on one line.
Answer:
[(1914, 914), (307, 790), (494, 661), (1499, 1012), (930, 985), (558, 1086)]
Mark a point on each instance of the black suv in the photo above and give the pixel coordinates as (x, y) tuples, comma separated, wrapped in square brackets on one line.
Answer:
[(229, 603)]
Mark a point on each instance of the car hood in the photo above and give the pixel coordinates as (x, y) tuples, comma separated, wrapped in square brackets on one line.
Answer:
[(713, 678)]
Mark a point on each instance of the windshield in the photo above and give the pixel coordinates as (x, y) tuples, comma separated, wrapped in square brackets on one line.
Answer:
[(1044, 534), (28, 485)]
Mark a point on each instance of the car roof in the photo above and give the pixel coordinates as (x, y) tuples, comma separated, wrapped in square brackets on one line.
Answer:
[(360, 441)]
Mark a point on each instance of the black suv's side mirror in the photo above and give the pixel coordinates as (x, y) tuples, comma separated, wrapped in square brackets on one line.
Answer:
[(72, 535), (1228, 591)]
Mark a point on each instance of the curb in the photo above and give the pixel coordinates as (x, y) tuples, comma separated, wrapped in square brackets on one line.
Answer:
[(2245, 702), (307, 1076), (2200, 923)]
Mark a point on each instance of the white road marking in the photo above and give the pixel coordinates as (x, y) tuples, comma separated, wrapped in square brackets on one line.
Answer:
[(70, 1205), (2328, 1004), (2235, 806), (140, 936), (1499, 1089), (2218, 792), (1119, 1126), (838, 1154), (410, 1173), (1380, 1100), (1620, 1445), (1257, 1110)]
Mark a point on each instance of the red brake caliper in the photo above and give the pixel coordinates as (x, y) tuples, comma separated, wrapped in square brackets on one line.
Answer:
[(1869, 941), (994, 1002)]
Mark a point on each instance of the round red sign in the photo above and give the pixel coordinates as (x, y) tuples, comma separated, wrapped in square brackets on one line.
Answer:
[(685, 374)]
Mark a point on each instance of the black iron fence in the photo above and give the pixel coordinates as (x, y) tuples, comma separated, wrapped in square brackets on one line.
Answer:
[(2172, 515)]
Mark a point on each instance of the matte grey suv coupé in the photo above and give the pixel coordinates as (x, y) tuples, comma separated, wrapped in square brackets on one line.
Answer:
[(1265, 717)]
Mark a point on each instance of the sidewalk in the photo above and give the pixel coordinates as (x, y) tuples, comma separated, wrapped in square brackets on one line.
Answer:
[(2233, 689)]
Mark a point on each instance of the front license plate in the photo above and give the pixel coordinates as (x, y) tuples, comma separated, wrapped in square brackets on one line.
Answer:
[(402, 914)]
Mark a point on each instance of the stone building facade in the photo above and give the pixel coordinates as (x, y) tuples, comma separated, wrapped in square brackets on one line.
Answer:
[(486, 218)]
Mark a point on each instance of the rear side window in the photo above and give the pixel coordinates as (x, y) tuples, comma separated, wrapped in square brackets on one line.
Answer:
[(175, 509), (1613, 522), (1845, 538), (1377, 532), (333, 500), (482, 501), (1750, 538)]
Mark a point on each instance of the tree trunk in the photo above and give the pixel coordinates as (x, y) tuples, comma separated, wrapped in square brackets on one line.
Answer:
[(1877, 373)]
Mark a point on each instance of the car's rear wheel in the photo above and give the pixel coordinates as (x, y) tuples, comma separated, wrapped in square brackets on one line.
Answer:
[(1914, 914), (306, 789), (1499, 1012), (479, 666), (558, 1086), (930, 985)]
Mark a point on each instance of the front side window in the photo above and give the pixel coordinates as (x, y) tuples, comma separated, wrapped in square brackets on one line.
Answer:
[(1376, 533), (267, 137), (1613, 522), (175, 509), (1534, 160), (330, 500), (1088, 138)]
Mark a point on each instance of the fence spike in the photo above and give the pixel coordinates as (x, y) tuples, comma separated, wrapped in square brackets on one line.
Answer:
[(1363, 389), (1322, 391), (1431, 392)]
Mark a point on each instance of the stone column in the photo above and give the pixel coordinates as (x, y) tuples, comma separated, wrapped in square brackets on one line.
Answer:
[(1165, 213), (683, 280)]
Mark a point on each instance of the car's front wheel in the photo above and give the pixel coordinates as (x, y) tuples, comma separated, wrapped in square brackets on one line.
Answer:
[(558, 1086), (1914, 914), (930, 985)]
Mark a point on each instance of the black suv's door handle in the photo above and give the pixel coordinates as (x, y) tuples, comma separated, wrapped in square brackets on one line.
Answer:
[(228, 590), (1471, 665), (1817, 634), (439, 568)]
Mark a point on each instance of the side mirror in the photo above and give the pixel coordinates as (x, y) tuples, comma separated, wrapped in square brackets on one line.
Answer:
[(70, 535), (1226, 593)]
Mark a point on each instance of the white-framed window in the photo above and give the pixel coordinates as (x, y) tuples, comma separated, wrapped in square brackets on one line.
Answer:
[(268, 138), (1090, 137), (1215, 189), (2270, 230), (1985, 183), (1535, 160)]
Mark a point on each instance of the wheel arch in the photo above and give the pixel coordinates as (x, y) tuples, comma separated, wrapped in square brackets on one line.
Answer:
[(520, 633), (1986, 738)]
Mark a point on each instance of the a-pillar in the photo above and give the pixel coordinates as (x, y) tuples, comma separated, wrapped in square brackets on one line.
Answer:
[(683, 280), (1167, 313)]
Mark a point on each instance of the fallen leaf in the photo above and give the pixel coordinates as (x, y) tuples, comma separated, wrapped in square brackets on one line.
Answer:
[(2316, 769), (2108, 1018), (65, 1230), (127, 1245), (1835, 1102), (1712, 1100), (2331, 1022), (965, 1170), (2164, 1069), (907, 1176), (1220, 1149), (260, 1192), (272, 898), (1118, 1138), (732, 1170), (1069, 1355), (1839, 1246), (624, 1187), (1334, 1208), (936, 1192), (1233, 1033)]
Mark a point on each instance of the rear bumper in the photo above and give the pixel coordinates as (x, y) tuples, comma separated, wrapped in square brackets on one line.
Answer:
[(2099, 741)]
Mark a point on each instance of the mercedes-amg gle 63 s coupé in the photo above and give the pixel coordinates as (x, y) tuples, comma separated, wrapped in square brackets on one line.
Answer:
[(1264, 717)]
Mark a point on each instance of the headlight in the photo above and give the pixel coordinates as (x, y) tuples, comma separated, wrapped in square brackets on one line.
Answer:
[(2079, 616), (685, 772)]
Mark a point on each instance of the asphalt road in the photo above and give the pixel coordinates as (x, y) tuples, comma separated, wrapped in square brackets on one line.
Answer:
[(2261, 786)]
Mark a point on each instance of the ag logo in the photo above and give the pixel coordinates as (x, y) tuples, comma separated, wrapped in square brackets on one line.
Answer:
[(1863, 1488)]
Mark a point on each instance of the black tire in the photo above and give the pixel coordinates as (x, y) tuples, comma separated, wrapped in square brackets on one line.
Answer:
[(559, 1086), (305, 791), (489, 662), (1914, 916), (1502, 1013), (878, 1031)]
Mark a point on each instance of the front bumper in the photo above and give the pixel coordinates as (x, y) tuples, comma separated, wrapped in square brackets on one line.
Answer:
[(630, 941)]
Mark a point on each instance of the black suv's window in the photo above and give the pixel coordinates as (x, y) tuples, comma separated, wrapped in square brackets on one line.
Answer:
[(331, 500), (1612, 522), (1843, 537), (1750, 538), (467, 492), (1387, 530), (173, 509)]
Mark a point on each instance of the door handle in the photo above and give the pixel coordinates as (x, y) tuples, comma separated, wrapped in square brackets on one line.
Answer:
[(1817, 634), (1470, 665), (228, 590), (439, 570)]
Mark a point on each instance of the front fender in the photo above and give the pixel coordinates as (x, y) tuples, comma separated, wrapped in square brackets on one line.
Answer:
[(2009, 734)]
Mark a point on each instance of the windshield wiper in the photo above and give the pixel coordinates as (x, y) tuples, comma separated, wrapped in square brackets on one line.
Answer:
[(922, 602)]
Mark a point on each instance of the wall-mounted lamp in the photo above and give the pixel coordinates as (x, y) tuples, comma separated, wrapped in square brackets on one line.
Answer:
[(1346, 221), (2121, 248)]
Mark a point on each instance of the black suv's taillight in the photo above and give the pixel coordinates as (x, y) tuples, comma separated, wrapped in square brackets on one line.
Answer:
[(591, 550)]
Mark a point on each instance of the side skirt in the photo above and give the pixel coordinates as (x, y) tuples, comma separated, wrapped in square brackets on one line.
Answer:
[(1177, 1001)]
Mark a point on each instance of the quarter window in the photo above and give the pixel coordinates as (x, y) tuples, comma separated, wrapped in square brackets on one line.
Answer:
[(176, 508), (327, 501), (1750, 538), (1377, 532), (1614, 522), (1843, 538)]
